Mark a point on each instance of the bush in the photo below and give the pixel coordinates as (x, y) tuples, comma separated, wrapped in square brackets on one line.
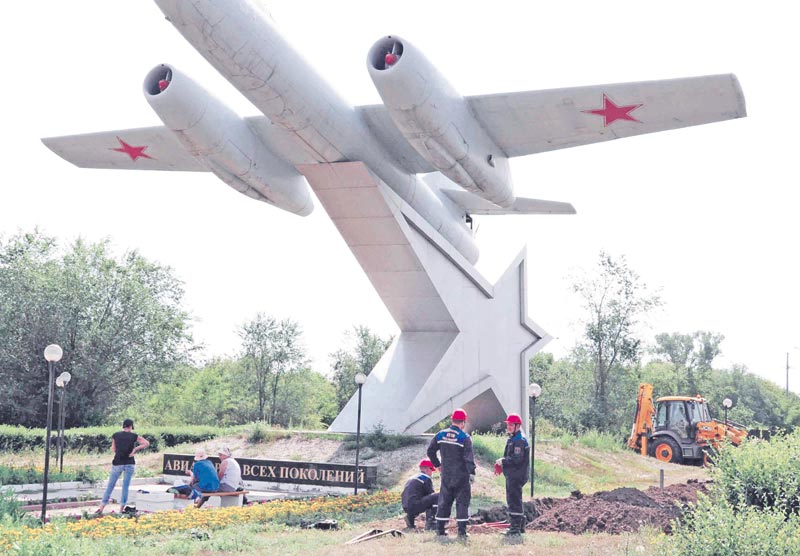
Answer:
[(31, 475), (382, 440), (601, 441), (753, 507), (9, 506), (718, 529), (98, 439), (760, 474), (567, 440), (379, 439), (262, 434)]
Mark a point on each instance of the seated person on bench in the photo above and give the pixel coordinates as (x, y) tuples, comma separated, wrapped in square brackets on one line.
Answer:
[(418, 496), (204, 477), (230, 472)]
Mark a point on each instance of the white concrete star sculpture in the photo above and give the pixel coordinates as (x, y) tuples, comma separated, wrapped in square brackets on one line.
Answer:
[(462, 343)]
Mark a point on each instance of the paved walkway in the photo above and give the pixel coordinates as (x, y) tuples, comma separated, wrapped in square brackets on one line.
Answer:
[(89, 498)]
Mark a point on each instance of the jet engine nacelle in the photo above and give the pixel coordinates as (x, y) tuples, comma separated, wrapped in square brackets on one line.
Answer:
[(436, 120), (223, 141)]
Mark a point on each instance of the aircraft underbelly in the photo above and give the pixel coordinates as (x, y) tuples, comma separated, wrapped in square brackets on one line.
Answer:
[(245, 48)]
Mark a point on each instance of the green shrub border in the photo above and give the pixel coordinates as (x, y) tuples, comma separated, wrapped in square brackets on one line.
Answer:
[(98, 439)]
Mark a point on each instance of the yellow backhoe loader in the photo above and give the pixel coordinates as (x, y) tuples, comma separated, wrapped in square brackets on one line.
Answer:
[(679, 429)]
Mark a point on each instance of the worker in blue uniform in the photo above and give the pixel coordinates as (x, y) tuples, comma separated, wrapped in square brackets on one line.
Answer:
[(419, 496), (457, 466), (515, 465)]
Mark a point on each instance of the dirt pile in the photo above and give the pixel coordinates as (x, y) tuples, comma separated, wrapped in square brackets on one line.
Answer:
[(615, 511)]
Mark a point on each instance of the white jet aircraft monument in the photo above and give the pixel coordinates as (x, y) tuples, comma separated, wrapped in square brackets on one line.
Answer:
[(400, 181)]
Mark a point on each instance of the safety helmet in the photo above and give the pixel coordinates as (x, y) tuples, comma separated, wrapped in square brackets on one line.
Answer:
[(426, 463), (514, 419), (459, 415)]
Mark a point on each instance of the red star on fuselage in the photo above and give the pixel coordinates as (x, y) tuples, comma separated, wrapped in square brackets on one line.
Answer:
[(131, 151), (611, 112)]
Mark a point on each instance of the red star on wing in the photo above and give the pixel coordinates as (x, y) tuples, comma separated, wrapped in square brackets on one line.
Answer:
[(131, 151), (611, 112)]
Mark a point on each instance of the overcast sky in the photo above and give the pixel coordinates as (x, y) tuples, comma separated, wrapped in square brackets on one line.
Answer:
[(706, 215)]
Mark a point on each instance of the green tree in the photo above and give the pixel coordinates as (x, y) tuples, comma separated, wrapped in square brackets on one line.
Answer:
[(615, 299), (120, 323), (271, 350), (366, 351), (567, 387), (308, 400), (692, 356)]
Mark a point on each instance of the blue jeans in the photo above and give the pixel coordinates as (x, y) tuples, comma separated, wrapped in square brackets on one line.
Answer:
[(116, 471)]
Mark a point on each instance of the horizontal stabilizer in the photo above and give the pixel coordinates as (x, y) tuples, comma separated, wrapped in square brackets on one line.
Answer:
[(146, 148), (522, 205)]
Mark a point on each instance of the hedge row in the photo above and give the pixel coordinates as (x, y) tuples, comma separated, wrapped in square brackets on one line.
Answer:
[(761, 474), (98, 439), (32, 475), (753, 507)]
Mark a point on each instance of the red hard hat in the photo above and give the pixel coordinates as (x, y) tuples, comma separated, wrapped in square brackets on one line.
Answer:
[(459, 415), (514, 419), (426, 463)]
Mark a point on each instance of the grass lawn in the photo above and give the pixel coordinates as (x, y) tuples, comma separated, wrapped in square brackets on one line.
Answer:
[(562, 465)]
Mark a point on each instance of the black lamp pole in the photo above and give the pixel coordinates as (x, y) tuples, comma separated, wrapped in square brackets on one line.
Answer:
[(358, 438), (534, 391), (52, 355), (533, 437), (50, 393), (61, 431)]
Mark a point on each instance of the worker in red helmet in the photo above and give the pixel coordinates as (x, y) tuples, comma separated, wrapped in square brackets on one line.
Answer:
[(419, 496), (458, 471), (515, 466)]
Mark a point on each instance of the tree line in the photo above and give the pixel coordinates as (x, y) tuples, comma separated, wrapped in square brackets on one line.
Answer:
[(595, 385), (128, 345)]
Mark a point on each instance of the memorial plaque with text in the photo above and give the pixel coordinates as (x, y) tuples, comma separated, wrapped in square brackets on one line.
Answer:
[(293, 472)]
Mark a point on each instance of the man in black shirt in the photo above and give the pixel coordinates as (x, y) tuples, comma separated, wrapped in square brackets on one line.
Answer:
[(419, 496), (124, 444)]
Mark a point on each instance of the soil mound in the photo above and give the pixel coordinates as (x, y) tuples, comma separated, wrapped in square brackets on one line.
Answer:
[(615, 511), (631, 496)]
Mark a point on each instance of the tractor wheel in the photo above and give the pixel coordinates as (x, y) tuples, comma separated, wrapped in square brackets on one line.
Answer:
[(666, 450)]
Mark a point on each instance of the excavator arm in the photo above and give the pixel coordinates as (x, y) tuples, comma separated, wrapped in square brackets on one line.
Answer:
[(713, 433), (643, 420)]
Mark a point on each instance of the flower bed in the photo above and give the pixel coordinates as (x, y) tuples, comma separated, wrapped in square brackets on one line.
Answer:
[(289, 511)]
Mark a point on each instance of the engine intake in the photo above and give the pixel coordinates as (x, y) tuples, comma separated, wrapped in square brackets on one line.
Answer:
[(437, 122), (223, 141)]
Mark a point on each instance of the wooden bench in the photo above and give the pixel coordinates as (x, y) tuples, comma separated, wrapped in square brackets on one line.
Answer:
[(225, 498)]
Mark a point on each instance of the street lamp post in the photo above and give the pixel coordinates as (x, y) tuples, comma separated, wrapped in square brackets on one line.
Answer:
[(534, 391), (61, 381), (727, 403), (52, 354), (360, 379)]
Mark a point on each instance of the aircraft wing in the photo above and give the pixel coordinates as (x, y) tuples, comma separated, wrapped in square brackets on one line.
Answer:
[(146, 148), (538, 121), (522, 205), (381, 124)]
